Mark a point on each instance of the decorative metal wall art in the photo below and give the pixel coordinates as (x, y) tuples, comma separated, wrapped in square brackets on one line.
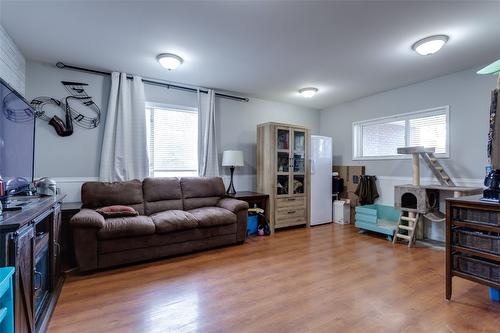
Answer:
[(13, 112), (75, 107)]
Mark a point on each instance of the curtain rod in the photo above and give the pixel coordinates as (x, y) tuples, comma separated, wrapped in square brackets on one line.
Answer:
[(152, 82)]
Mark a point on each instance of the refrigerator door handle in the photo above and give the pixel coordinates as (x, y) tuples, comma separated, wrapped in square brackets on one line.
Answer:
[(313, 167)]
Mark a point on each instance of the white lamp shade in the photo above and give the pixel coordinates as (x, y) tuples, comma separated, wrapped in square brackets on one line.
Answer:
[(232, 158)]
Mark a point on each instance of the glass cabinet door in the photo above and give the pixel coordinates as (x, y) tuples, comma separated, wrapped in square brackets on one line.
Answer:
[(298, 162), (283, 139), (299, 141), (298, 184), (299, 152), (283, 161), (282, 186)]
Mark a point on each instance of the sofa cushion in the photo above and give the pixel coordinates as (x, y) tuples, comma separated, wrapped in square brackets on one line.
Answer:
[(101, 194), (213, 216), (119, 227), (117, 211), (161, 194), (176, 237), (201, 191), (173, 220)]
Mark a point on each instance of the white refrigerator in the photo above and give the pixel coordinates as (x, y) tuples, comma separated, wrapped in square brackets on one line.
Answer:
[(321, 179)]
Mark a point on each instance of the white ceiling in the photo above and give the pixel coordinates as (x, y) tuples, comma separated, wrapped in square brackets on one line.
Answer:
[(262, 49)]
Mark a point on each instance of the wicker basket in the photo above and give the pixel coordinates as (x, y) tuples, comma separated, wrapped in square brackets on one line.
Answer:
[(477, 267), (477, 240), (476, 216)]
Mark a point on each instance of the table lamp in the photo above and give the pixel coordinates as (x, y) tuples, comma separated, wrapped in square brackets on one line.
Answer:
[(232, 159)]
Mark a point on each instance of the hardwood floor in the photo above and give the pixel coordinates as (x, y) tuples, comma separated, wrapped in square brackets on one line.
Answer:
[(323, 279)]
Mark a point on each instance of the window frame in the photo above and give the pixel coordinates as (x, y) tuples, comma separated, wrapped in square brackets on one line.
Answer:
[(357, 139), (170, 107)]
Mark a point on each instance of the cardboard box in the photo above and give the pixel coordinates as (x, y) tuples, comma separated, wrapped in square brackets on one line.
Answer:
[(353, 198), (353, 215), (354, 172), (350, 174), (342, 170)]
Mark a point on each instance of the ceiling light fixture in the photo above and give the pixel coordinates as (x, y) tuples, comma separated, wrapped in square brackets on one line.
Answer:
[(169, 61), (308, 92), (430, 45), (493, 68)]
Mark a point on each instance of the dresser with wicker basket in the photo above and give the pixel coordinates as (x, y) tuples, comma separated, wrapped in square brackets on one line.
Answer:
[(472, 241)]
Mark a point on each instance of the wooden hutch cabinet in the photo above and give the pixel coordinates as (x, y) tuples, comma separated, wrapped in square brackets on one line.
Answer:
[(283, 172)]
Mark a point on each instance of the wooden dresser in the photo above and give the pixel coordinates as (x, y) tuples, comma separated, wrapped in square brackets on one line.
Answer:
[(472, 241), (283, 172)]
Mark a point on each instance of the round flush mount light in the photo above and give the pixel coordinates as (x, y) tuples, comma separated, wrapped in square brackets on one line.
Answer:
[(308, 92), (430, 45), (169, 60)]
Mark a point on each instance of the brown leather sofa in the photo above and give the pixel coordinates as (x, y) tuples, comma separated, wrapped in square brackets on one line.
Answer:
[(176, 216)]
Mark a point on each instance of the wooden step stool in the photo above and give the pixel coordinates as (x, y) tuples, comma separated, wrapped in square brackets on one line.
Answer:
[(407, 223)]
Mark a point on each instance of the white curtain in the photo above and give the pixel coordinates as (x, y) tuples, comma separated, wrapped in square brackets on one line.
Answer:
[(208, 161), (124, 154)]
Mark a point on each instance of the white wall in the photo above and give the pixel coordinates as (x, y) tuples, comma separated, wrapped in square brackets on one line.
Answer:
[(468, 96), (12, 63), (75, 159)]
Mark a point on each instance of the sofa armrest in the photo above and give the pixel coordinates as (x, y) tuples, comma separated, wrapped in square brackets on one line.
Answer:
[(87, 218), (232, 205)]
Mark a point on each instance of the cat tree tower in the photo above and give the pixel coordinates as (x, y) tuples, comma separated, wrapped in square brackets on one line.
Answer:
[(422, 202)]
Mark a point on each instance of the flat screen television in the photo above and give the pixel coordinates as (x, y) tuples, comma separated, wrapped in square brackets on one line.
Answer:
[(17, 140)]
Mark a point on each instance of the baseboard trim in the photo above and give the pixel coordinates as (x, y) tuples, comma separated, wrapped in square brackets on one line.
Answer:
[(430, 180)]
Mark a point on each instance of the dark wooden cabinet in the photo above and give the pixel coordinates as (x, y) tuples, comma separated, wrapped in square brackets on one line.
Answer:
[(32, 237), (22, 258), (472, 241), (56, 241)]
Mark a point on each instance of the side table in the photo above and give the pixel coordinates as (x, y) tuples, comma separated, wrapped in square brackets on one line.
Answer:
[(260, 200)]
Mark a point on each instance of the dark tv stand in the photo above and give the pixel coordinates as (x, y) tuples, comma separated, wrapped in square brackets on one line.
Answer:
[(31, 239), (18, 202)]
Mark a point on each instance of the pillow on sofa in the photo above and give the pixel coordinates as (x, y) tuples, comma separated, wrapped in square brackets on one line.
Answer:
[(117, 211)]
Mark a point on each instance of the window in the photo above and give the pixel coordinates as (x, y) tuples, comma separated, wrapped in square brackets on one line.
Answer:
[(380, 138), (172, 140)]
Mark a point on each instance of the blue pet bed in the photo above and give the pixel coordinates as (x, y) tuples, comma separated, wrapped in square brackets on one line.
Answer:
[(377, 218)]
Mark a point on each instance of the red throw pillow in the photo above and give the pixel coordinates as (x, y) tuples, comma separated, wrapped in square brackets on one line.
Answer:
[(117, 211)]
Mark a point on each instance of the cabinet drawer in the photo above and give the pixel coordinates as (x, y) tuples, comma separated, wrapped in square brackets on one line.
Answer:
[(294, 202), (288, 222), (478, 267), (477, 240), (287, 213), (478, 216)]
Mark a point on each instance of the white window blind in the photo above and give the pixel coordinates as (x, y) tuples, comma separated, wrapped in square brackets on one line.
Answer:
[(173, 141), (380, 138), (429, 132), (383, 139)]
